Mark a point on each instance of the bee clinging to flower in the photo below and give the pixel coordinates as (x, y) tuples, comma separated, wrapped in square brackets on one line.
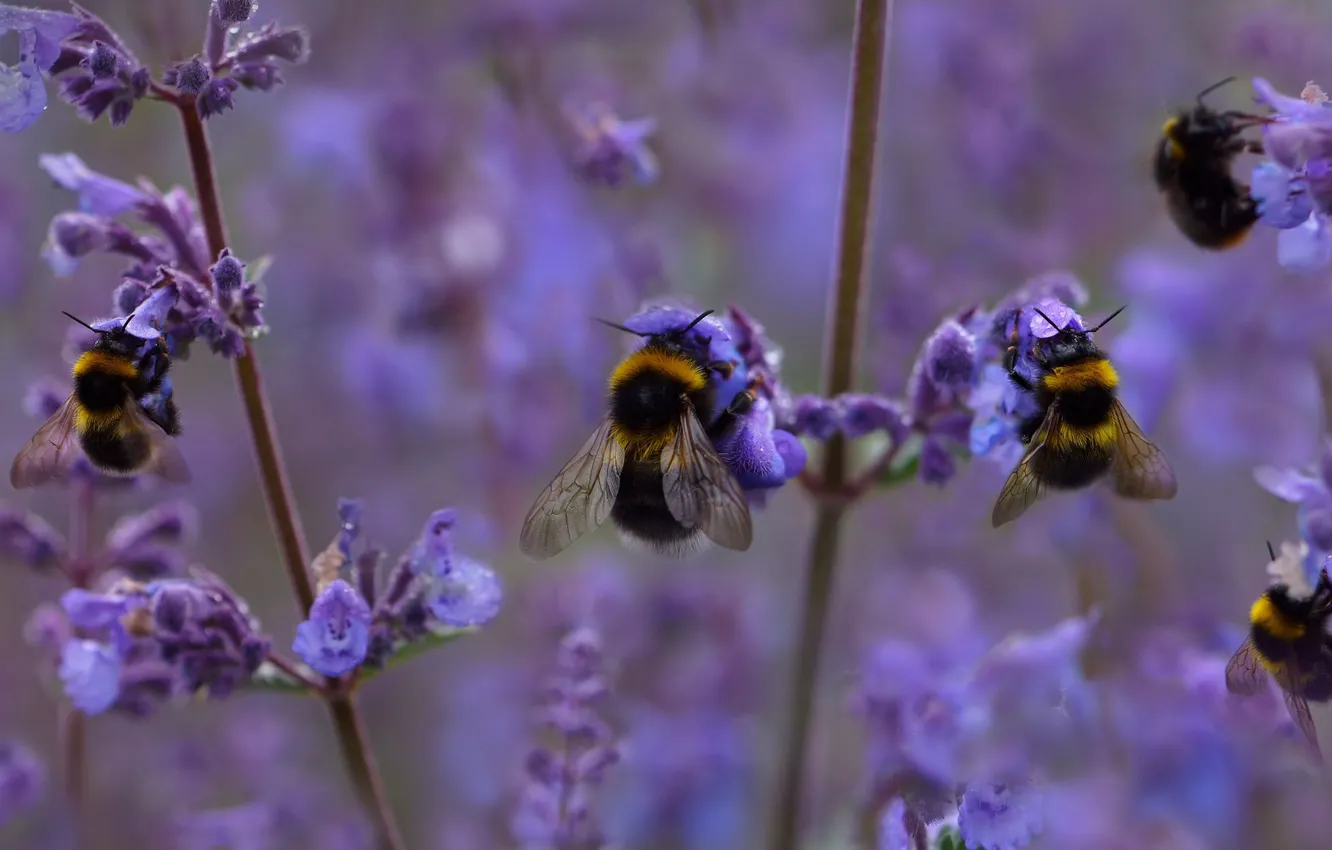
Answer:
[(1080, 433), (121, 414), (1288, 641), (652, 466), (1193, 162)]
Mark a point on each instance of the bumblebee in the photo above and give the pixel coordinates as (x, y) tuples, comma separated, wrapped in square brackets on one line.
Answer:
[(1080, 432), (650, 465), (1288, 641), (121, 411), (1193, 162)]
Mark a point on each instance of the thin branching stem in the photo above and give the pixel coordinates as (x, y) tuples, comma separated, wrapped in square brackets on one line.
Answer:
[(844, 318), (347, 723)]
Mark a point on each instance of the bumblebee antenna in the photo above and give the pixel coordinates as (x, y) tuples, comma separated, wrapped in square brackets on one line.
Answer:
[(701, 316), (1270, 554), (1106, 321), (620, 327), (1213, 87), (128, 319), (1048, 319), (81, 322)]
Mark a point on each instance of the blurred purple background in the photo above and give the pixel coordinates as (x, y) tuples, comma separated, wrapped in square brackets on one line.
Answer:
[(437, 256)]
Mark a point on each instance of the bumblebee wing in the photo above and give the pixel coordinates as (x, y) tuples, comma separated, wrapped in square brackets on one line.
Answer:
[(700, 490), (1245, 675), (164, 457), (50, 452), (1290, 676), (579, 498), (1140, 470), (1024, 487)]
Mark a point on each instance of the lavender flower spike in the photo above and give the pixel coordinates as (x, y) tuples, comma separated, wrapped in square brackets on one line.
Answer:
[(1293, 187), (22, 780), (556, 806)]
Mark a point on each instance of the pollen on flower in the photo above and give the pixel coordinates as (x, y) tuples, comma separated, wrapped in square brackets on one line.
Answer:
[(1313, 93)]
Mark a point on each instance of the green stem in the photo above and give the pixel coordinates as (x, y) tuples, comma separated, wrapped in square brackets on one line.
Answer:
[(844, 317), (356, 754)]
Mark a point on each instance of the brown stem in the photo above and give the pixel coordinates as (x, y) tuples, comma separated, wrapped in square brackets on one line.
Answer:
[(74, 758), (844, 315), (73, 737), (272, 471), (360, 763), (286, 665), (347, 723)]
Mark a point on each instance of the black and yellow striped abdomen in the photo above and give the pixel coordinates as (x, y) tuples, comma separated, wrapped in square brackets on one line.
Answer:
[(1080, 447)]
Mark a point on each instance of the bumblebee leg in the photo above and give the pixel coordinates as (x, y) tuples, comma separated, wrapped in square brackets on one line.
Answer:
[(155, 363), (739, 406), (1029, 427)]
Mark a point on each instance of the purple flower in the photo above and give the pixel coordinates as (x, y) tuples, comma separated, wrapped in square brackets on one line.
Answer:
[(22, 93), (90, 672), (232, 11), (189, 77), (433, 552), (950, 356), (862, 415), (611, 151), (1000, 815), (817, 417), (1294, 187), (349, 525), (556, 807), (255, 58), (102, 61), (893, 832), (98, 611), (334, 639), (466, 595), (27, 538), (205, 633), (22, 780), (217, 97), (98, 194)]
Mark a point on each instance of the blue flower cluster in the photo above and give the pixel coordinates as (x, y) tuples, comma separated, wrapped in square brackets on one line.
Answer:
[(556, 808), (170, 288), (99, 74), (1293, 186), (433, 591)]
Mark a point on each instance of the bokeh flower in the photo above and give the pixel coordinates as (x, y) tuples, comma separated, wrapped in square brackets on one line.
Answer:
[(557, 805), (1293, 187), (22, 780)]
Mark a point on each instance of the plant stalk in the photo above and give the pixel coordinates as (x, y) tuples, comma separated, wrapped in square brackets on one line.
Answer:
[(844, 318), (73, 738), (352, 742)]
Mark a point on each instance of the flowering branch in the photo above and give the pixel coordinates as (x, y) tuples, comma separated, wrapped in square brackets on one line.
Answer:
[(868, 53), (347, 723), (273, 473)]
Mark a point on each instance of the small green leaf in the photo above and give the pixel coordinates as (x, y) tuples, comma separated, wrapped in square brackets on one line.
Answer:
[(949, 839), (412, 650), (271, 679), (905, 465)]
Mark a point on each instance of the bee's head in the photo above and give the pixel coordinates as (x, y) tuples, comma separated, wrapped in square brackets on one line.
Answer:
[(115, 340), (1070, 341), (674, 339)]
